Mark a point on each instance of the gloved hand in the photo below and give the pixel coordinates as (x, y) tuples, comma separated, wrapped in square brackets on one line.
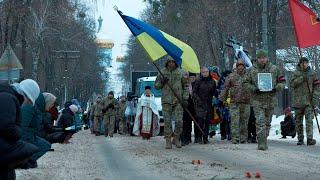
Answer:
[(165, 80), (257, 91), (111, 106), (185, 103)]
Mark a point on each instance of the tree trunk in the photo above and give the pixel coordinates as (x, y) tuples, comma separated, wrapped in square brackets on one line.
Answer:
[(265, 24)]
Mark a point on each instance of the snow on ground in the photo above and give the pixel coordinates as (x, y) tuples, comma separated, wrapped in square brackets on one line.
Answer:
[(72, 161), (85, 159), (275, 125)]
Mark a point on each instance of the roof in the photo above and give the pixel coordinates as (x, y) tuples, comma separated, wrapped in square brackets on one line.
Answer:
[(9, 60), (105, 43)]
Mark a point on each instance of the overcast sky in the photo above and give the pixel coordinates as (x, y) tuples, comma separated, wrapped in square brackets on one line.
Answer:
[(113, 26)]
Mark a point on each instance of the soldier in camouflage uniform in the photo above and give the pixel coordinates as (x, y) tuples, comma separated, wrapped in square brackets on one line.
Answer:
[(303, 77), (97, 116), (240, 102), (110, 109), (121, 115), (171, 108), (264, 101)]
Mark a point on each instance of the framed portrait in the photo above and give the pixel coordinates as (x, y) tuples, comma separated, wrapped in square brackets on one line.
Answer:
[(265, 82)]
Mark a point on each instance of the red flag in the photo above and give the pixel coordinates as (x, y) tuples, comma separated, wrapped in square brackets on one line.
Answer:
[(306, 25)]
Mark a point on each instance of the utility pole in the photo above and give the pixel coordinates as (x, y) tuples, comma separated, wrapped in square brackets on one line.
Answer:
[(265, 25), (66, 55)]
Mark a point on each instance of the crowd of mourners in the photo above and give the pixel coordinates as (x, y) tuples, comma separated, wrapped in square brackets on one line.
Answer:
[(238, 104), (29, 124)]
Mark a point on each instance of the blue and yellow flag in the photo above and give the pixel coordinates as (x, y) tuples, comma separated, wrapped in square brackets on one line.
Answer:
[(158, 44)]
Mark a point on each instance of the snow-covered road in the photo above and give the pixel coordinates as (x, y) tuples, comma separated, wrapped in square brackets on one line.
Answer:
[(126, 157)]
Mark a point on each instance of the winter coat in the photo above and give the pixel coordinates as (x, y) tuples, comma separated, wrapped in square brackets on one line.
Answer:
[(66, 119), (10, 130), (12, 149), (30, 122), (178, 83), (233, 87), (264, 99), (45, 122), (203, 91), (299, 82), (97, 109), (122, 109), (110, 106)]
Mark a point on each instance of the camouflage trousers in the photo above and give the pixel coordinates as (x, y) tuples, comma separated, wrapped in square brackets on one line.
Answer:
[(308, 113), (240, 113), (172, 113), (123, 125), (97, 124), (263, 124), (109, 122)]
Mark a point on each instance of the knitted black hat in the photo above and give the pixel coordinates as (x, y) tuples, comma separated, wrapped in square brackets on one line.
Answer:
[(303, 59)]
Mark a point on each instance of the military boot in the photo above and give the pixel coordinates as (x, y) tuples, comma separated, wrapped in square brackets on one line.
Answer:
[(262, 144), (177, 141), (311, 142), (300, 142), (168, 143)]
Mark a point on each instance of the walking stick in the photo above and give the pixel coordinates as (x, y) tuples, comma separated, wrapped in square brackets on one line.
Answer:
[(180, 101)]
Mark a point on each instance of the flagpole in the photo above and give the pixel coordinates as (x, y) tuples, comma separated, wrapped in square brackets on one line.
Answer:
[(170, 86), (300, 54), (179, 100)]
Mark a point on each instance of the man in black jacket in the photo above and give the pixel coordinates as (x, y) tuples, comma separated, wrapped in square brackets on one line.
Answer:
[(13, 151)]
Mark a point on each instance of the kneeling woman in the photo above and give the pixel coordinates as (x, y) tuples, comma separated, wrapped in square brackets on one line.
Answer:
[(147, 118)]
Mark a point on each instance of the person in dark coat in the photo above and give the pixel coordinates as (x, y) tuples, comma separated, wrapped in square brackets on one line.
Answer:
[(223, 109), (288, 125), (187, 120), (32, 129), (252, 134), (50, 113), (66, 122), (13, 151), (203, 91)]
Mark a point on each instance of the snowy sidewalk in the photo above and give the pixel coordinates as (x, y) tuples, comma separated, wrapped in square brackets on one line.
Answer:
[(77, 160)]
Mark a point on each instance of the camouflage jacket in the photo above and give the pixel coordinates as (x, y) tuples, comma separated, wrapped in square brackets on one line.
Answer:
[(122, 109), (299, 82), (97, 109), (110, 106), (264, 99), (233, 87), (178, 83)]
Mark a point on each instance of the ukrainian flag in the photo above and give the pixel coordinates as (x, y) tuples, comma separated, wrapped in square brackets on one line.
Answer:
[(158, 44)]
